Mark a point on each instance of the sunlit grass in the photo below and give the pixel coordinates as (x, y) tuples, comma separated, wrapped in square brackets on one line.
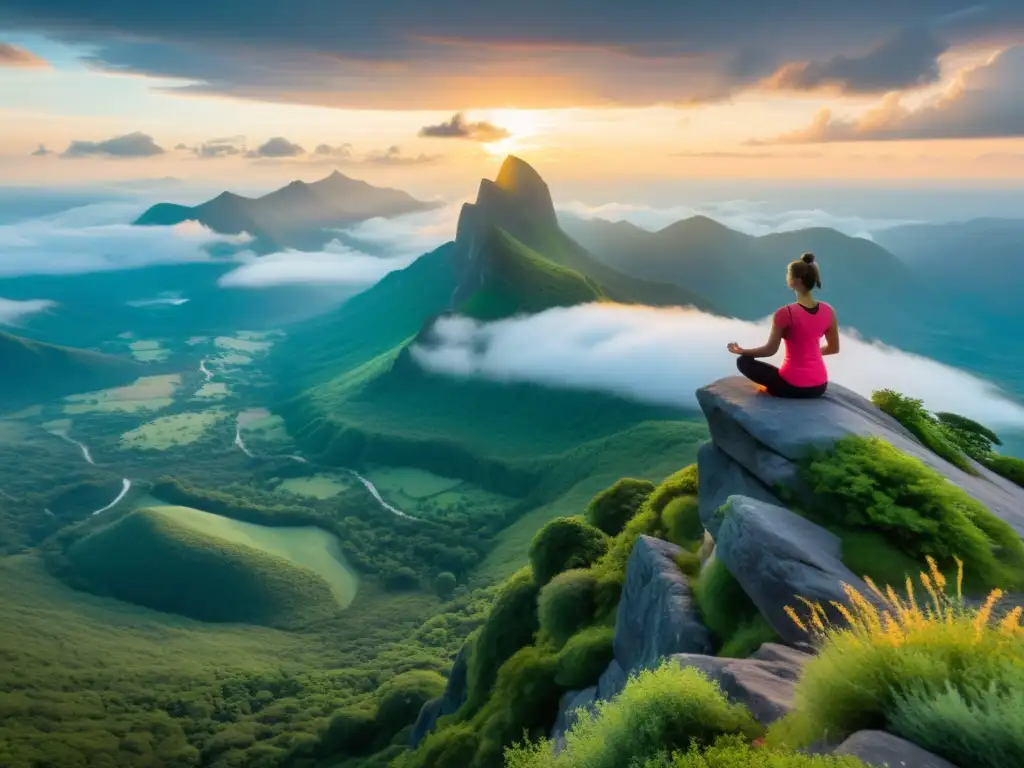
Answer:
[(900, 663)]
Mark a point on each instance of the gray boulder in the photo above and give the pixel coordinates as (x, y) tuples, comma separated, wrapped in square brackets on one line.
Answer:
[(425, 722), (656, 616), (720, 478), (764, 683), (612, 681), (883, 750), (568, 712), (776, 556), (454, 696), (767, 435)]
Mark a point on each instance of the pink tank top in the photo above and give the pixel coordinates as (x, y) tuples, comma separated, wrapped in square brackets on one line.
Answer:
[(802, 332)]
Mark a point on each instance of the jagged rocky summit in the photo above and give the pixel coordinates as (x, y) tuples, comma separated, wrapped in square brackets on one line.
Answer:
[(774, 554)]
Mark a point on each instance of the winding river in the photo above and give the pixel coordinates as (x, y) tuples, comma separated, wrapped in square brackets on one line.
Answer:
[(126, 484), (81, 446), (247, 417)]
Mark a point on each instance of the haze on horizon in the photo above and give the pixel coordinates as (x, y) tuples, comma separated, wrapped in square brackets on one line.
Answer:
[(893, 92)]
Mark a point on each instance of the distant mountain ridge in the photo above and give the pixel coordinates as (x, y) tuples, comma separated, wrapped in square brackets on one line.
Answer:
[(33, 371), (294, 216), (931, 294)]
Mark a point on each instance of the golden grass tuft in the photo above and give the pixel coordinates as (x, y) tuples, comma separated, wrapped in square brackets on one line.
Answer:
[(895, 647)]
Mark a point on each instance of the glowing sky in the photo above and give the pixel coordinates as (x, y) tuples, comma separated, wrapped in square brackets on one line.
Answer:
[(404, 92)]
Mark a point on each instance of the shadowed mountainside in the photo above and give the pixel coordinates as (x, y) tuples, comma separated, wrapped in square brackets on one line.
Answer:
[(33, 371)]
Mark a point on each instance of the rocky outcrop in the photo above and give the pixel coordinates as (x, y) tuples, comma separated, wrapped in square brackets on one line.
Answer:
[(656, 619), (763, 683), (765, 436), (571, 704), (657, 616), (448, 703), (720, 478), (883, 750), (777, 557)]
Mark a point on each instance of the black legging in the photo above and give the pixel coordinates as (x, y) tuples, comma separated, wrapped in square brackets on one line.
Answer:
[(767, 375)]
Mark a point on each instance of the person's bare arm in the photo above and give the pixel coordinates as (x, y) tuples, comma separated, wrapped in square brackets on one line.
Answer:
[(832, 338), (769, 349)]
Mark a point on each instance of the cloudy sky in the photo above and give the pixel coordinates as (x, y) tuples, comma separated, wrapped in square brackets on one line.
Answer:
[(400, 90)]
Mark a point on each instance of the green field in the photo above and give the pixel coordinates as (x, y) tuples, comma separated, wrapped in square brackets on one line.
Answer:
[(306, 547), (148, 351), (319, 486), (171, 431), (148, 393), (247, 345), (233, 359), (264, 425), (213, 390), (427, 496), (409, 482)]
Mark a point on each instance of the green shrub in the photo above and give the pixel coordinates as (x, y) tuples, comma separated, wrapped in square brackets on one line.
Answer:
[(750, 635), (659, 711), (911, 414), (1008, 466), (451, 747), (613, 507), (865, 483), (525, 699), (401, 579), (564, 543), (682, 483), (974, 439), (984, 728), (349, 732), (946, 677), (681, 518), (734, 752), (444, 584), (725, 608), (567, 604), (689, 563), (401, 698), (584, 657), (511, 624)]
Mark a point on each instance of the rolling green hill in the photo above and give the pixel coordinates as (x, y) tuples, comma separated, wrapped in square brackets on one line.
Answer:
[(189, 562), (33, 371)]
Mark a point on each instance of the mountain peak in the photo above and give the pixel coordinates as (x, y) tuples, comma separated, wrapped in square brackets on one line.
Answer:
[(517, 174)]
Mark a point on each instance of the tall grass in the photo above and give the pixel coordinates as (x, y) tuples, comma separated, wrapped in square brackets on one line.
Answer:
[(932, 670)]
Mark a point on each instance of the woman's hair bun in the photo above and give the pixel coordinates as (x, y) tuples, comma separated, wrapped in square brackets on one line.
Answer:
[(807, 258)]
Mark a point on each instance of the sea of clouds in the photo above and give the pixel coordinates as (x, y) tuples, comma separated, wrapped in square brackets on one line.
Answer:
[(661, 356), (14, 312)]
